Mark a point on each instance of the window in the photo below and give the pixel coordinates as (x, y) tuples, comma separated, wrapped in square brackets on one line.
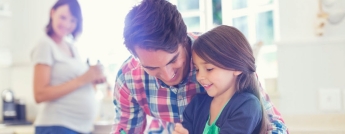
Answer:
[(102, 37), (256, 19), (191, 13), (194, 14)]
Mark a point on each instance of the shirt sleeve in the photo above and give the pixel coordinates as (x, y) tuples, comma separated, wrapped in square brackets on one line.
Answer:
[(188, 113), (277, 122), (129, 116), (42, 54), (245, 118)]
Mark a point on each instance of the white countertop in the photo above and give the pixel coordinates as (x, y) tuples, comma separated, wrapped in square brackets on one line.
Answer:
[(18, 129), (100, 127)]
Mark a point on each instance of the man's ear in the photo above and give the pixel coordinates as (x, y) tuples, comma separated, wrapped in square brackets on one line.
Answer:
[(237, 73)]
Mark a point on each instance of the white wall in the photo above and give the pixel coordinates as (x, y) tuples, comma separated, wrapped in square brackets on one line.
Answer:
[(29, 19), (297, 22), (5, 41), (307, 62), (19, 33)]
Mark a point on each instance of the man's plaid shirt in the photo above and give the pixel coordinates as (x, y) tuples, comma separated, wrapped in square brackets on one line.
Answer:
[(139, 96)]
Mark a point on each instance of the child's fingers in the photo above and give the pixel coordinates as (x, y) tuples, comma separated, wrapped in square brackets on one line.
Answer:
[(179, 129), (178, 125), (175, 132)]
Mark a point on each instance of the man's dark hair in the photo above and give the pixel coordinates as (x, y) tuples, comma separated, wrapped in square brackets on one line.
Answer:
[(154, 25)]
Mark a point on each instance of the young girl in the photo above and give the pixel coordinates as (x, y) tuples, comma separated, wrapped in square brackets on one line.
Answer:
[(226, 69)]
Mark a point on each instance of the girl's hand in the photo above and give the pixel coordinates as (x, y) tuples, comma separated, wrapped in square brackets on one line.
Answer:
[(179, 129)]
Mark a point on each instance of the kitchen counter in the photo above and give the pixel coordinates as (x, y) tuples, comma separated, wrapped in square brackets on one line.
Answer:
[(100, 127), (18, 129), (316, 124)]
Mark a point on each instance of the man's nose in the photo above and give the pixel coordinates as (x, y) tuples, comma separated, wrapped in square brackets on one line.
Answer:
[(167, 73)]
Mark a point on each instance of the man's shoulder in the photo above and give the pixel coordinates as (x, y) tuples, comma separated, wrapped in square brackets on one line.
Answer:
[(128, 66), (131, 72), (127, 76)]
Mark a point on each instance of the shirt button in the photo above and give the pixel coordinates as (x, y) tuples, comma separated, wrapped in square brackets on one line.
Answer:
[(180, 97)]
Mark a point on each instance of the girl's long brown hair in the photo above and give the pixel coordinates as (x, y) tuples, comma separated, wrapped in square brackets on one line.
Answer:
[(227, 48)]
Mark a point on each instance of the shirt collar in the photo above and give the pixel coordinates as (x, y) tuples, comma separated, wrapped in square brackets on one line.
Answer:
[(190, 78)]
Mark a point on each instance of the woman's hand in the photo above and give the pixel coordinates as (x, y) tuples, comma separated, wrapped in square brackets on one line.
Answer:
[(100, 81), (94, 75), (179, 129)]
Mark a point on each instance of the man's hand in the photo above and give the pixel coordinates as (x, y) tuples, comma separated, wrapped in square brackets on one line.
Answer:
[(179, 129)]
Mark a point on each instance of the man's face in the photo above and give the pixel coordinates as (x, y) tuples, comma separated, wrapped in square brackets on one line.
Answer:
[(168, 67)]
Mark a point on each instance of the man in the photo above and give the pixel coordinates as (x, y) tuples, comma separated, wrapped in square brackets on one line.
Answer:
[(158, 80)]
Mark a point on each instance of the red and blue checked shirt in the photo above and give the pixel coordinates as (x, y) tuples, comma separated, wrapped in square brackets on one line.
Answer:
[(138, 95), (144, 104)]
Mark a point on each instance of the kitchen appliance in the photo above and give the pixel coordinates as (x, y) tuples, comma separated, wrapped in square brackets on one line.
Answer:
[(13, 110), (8, 105)]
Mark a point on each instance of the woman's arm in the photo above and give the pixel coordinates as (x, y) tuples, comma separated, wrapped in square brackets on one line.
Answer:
[(43, 91)]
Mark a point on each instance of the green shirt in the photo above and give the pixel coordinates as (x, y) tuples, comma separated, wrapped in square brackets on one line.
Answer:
[(212, 129)]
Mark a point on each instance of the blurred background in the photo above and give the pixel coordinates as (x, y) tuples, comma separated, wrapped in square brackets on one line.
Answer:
[(299, 45)]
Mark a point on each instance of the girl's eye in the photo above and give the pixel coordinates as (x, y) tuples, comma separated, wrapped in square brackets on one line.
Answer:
[(73, 21), (209, 69), (197, 70)]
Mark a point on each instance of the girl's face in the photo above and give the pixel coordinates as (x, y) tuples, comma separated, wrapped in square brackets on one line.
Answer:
[(63, 22), (215, 80)]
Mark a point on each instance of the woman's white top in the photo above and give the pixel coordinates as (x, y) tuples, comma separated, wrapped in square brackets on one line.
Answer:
[(75, 110)]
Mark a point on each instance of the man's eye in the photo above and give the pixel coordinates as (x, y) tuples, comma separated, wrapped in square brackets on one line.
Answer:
[(173, 61), (149, 68)]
